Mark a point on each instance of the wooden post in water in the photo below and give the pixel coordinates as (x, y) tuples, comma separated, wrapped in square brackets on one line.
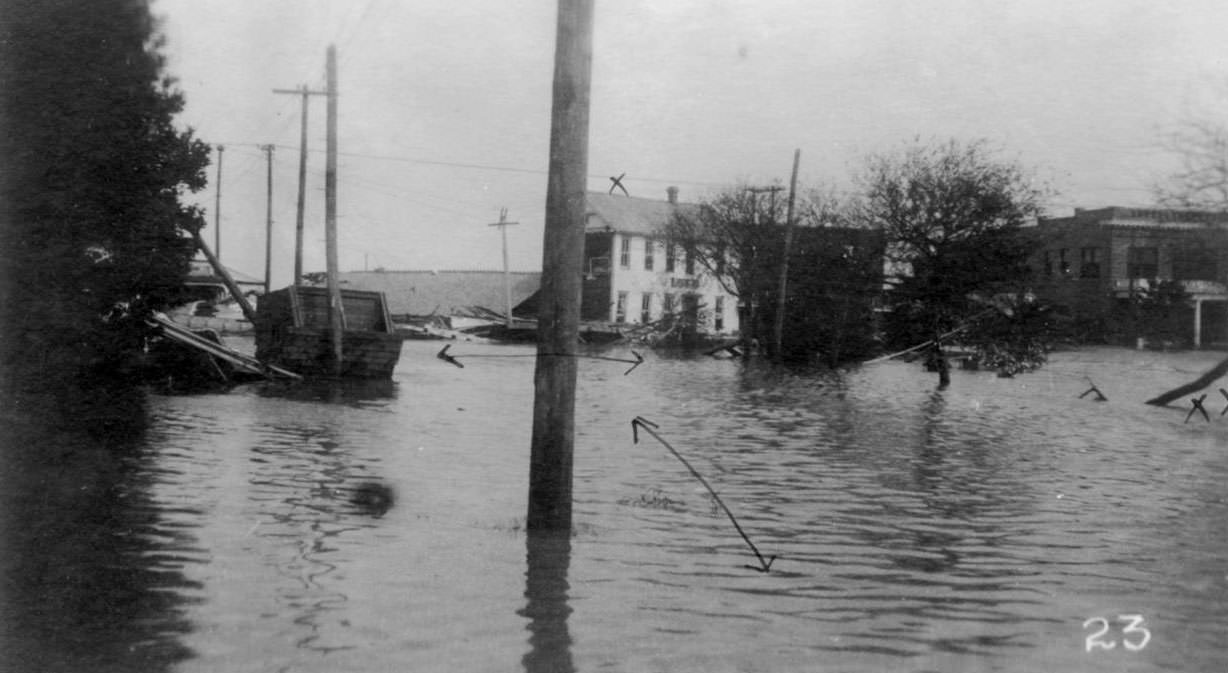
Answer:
[(783, 292), (227, 279), (336, 318), (268, 221), (300, 206), (217, 205), (554, 379), (302, 178), (503, 224)]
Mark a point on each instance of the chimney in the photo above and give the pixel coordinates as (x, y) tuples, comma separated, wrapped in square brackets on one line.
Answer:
[(671, 194)]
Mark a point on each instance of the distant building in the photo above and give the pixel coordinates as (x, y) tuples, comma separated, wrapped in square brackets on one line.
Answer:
[(1094, 259), (633, 276), (444, 293)]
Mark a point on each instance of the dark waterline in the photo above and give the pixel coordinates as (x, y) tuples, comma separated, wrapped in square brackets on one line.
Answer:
[(975, 528)]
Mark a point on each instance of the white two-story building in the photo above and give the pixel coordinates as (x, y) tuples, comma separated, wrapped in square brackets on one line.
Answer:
[(632, 276)]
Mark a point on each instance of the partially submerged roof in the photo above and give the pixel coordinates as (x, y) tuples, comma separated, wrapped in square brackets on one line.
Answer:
[(629, 214), (442, 292), (202, 273)]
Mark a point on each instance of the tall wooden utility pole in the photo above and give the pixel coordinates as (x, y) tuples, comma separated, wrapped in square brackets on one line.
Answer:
[(782, 295), (302, 179), (217, 206), (554, 379), (336, 314), (503, 224), (268, 221)]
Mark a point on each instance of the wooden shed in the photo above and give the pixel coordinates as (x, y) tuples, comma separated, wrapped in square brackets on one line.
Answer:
[(292, 332)]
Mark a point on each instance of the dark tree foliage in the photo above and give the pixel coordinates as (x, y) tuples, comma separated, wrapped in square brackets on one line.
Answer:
[(952, 215), (835, 269), (95, 169), (835, 283), (1014, 336)]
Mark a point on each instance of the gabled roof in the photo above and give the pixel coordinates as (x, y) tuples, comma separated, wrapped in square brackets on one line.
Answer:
[(629, 214), (442, 292)]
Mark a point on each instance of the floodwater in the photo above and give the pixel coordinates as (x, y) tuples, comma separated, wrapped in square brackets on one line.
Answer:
[(998, 525)]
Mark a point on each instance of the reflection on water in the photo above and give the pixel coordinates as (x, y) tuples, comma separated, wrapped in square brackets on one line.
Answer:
[(972, 528), (94, 562), (546, 608), (350, 392)]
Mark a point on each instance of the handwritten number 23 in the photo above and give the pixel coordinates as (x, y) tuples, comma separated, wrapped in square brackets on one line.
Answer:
[(1134, 628)]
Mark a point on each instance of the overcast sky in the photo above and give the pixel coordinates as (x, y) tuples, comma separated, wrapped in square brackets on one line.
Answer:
[(444, 112)]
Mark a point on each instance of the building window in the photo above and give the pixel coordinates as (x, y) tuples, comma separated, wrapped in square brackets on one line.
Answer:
[(718, 314), (620, 309), (690, 261), (667, 303), (1048, 264), (646, 309), (1063, 264), (670, 252), (1195, 264), (624, 256), (1142, 262), (1089, 263), (648, 254)]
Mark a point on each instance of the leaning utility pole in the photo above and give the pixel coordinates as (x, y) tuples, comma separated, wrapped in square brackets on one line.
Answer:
[(336, 315), (302, 179), (554, 378), (782, 294), (503, 224), (217, 206), (268, 221)]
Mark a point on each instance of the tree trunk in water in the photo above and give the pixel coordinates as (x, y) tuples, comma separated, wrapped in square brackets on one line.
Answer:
[(937, 362), (1193, 386)]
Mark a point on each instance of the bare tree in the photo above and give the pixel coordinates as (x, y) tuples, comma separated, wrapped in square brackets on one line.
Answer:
[(732, 236), (1201, 181)]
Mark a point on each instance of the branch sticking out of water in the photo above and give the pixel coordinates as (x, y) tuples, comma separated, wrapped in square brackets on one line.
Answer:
[(1099, 395), (1197, 402), (650, 427)]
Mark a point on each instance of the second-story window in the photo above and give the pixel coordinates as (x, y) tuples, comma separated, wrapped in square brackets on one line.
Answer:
[(624, 253), (1196, 264), (1062, 262), (718, 314), (1142, 262), (1089, 263), (690, 261), (670, 252), (649, 249)]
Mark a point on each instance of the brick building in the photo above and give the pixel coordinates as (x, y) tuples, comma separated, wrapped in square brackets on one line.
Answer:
[(1094, 259)]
